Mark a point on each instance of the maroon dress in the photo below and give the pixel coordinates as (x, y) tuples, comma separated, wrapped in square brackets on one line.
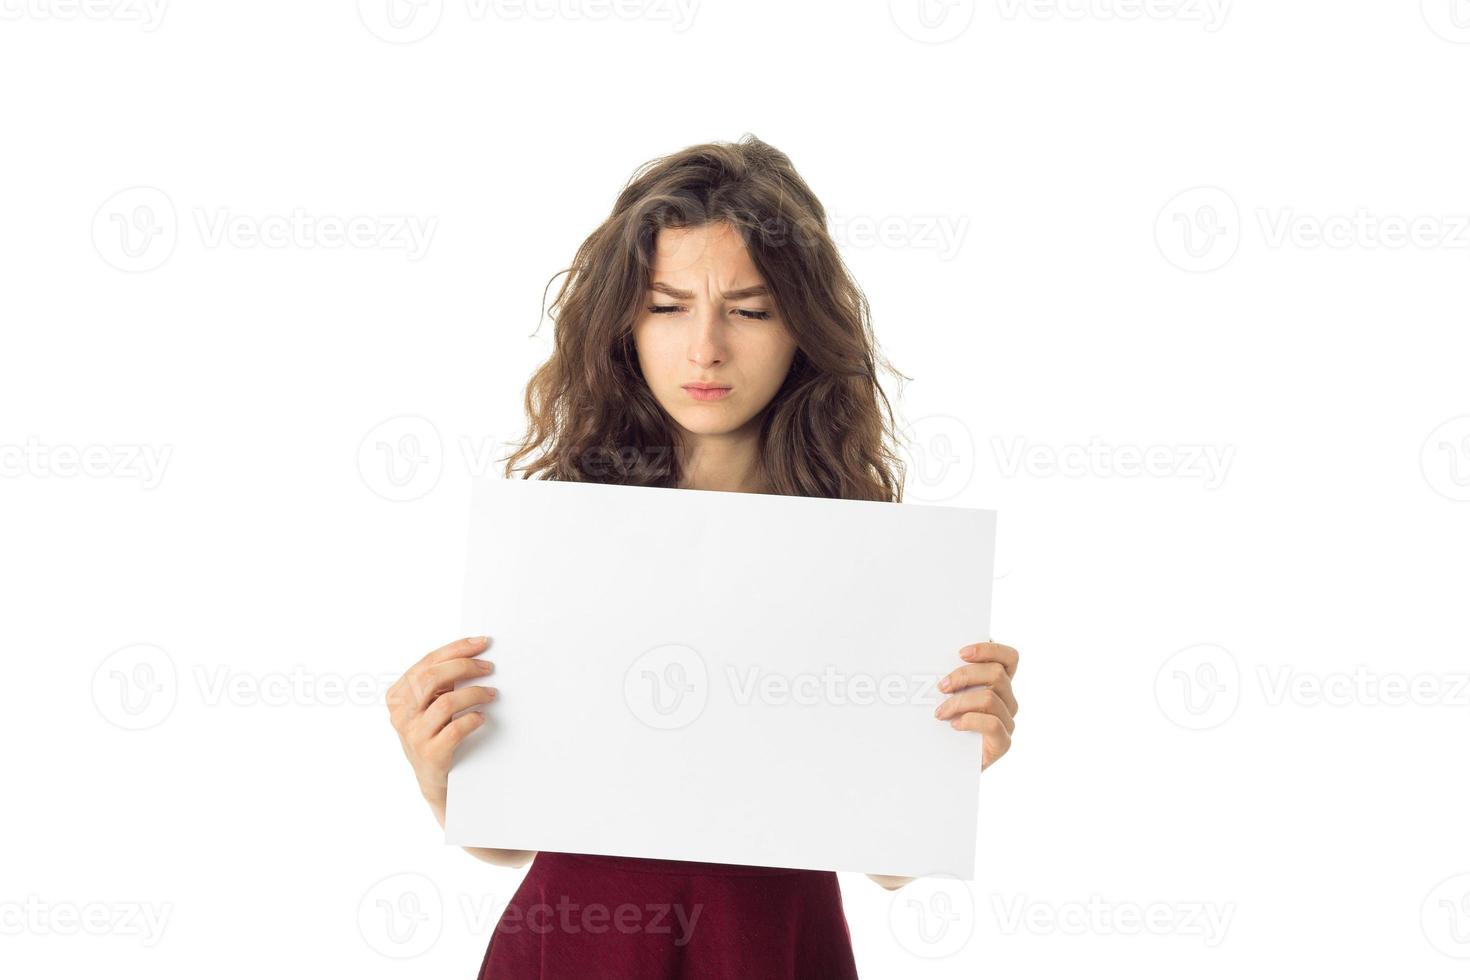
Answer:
[(589, 917)]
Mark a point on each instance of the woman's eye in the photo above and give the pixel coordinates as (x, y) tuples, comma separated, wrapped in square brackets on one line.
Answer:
[(743, 314)]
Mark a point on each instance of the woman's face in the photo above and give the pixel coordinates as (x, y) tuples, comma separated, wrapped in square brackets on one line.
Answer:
[(707, 319)]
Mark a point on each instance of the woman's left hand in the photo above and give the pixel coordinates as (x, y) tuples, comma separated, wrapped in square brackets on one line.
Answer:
[(980, 696)]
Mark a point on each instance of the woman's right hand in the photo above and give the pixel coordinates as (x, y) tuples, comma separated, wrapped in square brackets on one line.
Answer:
[(422, 703)]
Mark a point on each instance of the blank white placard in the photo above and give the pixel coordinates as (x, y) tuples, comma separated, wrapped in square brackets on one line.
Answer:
[(726, 677)]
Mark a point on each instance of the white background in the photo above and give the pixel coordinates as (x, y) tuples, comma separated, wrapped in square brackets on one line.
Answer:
[(1215, 725)]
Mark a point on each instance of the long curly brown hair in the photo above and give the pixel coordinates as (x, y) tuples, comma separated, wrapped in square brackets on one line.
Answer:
[(828, 432)]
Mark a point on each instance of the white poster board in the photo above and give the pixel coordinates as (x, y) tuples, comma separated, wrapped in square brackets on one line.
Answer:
[(725, 677)]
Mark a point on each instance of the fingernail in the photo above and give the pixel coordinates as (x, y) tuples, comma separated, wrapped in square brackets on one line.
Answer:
[(944, 683)]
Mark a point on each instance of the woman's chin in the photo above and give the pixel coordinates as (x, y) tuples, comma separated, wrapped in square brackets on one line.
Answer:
[(708, 423)]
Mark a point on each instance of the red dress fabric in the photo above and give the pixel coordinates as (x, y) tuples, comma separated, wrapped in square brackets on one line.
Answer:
[(590, 917)]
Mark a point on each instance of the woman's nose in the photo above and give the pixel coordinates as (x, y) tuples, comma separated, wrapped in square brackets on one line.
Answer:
[(707, 343)]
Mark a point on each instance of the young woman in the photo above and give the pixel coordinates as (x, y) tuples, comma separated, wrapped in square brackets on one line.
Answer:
[(708, 337)]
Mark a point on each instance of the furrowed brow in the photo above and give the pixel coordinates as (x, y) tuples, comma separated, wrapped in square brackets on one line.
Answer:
[(745, 293)]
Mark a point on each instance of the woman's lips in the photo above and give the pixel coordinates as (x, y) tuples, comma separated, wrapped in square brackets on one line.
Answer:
[(706, 394)]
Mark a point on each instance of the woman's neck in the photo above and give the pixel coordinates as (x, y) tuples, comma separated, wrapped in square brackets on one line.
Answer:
[(727, 462)]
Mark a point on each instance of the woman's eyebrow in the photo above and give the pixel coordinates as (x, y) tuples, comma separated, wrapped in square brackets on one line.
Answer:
[(745, 292)]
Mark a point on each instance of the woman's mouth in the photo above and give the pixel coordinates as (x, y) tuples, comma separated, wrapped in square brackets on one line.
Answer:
[(706, 393)]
